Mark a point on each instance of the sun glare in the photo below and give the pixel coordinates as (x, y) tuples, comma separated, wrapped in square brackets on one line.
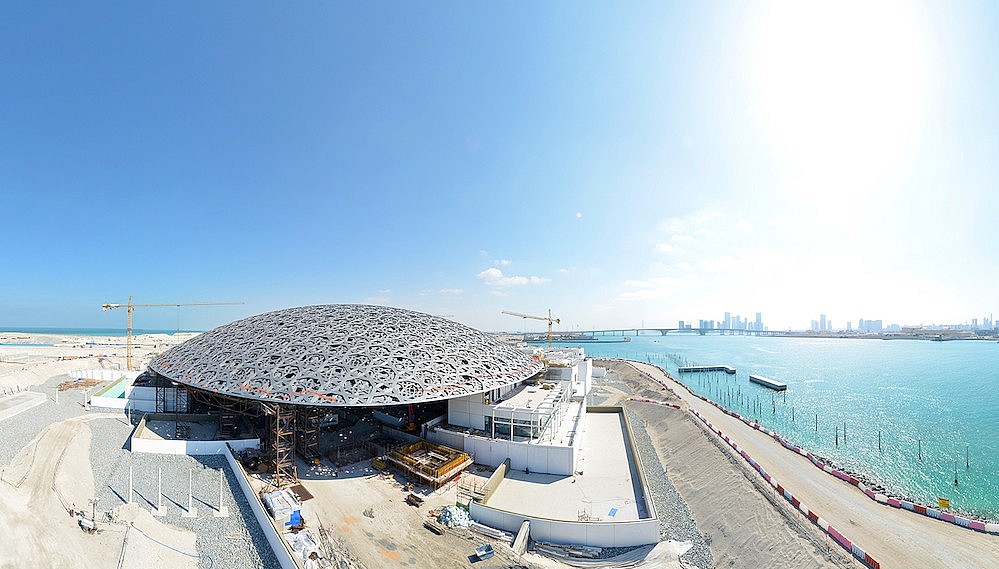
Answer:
[(839, 91)]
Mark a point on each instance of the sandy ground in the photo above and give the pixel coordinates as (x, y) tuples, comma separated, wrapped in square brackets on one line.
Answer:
[(393, 535), (33, 365), (894, 537), (49, 476)]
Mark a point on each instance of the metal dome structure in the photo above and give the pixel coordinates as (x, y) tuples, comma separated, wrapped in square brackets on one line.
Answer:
[(340, 355)]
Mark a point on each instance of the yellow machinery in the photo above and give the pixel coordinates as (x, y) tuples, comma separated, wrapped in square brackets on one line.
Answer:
[(548, 318), (131, 306)]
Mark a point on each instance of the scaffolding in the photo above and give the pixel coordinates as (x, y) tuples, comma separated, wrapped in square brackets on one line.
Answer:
[(282, 444), (307, 439)]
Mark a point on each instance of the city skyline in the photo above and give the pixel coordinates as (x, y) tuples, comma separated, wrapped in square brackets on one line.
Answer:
[(643, 161)]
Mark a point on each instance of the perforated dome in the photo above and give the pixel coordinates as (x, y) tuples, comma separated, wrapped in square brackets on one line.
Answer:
[(345, 355)]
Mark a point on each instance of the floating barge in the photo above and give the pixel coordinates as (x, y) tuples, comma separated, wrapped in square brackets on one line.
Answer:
[(767, 382), (692, 369)]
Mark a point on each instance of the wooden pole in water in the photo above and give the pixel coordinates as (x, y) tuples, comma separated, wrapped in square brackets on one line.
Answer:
[(816, 422), (837, 435), (920, 441), (966, 456), (844, 431), (879, 441), (955, 473), (792, 413)]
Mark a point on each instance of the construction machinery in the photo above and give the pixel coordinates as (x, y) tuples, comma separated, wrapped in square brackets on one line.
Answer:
[(549, 319), (131, 307)]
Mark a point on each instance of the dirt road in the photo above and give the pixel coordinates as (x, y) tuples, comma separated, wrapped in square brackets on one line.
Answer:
[(39, 486), (894, 537), (740, 518)]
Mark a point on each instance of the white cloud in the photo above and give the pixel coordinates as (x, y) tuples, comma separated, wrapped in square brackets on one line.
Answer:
[(453, 291), (501, 262), (383, 297), (495, 277), (499, 293)]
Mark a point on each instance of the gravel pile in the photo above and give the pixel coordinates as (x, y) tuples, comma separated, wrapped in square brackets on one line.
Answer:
[(675, 521), (234, 541)]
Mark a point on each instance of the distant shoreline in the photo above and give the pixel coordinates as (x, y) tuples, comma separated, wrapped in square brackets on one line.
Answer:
[(92, 332)]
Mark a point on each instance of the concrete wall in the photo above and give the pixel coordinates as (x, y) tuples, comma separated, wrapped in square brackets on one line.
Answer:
[(543, 459), (20, 402), (194, 448), (597, 534), (494, 481), (101, 374), (136, 398), (639, 465), (141, 398), (284, 557), (468, 411)]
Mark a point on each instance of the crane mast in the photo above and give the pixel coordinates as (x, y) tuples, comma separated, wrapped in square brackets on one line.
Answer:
[(549, 319), (130, 306)]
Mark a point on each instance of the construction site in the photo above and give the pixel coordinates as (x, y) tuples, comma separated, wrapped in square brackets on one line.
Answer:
[(320, 413)]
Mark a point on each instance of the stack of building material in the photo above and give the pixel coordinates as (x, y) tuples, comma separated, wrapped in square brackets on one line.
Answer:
[(281, 504), (560, 550), (489, 531)]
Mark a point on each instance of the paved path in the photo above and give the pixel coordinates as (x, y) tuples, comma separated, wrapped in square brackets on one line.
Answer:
[(896, 538)]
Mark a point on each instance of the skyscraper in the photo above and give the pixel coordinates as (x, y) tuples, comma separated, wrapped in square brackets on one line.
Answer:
[(822, 322)]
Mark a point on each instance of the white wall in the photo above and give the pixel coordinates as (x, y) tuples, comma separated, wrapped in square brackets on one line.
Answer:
[(596, 534), (141, 398), (285, 560), (101, 374), (543, 459), (468, 411), (108, 402), (194, 448)]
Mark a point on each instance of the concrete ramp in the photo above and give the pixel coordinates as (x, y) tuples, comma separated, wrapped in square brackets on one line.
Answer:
[(11, 405), (520, 543)]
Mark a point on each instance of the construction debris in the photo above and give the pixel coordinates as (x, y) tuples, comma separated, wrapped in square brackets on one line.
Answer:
[(84, 383), (433, 526), (489, 531), (560, 550), (454, 517)]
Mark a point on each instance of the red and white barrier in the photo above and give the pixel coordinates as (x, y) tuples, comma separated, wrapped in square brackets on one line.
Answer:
[(988, 527)]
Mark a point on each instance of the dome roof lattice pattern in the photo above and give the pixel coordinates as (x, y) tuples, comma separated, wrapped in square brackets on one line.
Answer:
[(345, 355)]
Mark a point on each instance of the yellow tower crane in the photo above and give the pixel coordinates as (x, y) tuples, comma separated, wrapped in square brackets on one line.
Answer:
[(131, 306), (549, 319)]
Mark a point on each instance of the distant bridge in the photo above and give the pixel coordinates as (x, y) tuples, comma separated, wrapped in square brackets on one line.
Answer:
[(664, 331)]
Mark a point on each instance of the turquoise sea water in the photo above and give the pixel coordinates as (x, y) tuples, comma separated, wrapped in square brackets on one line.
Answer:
[(937, 399), (120, 332)]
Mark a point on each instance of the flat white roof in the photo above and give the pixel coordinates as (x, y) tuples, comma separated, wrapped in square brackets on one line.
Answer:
[(607, 490), (528, 397)]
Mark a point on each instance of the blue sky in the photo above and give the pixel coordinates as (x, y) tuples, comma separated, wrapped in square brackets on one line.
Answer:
[(620, 162)]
